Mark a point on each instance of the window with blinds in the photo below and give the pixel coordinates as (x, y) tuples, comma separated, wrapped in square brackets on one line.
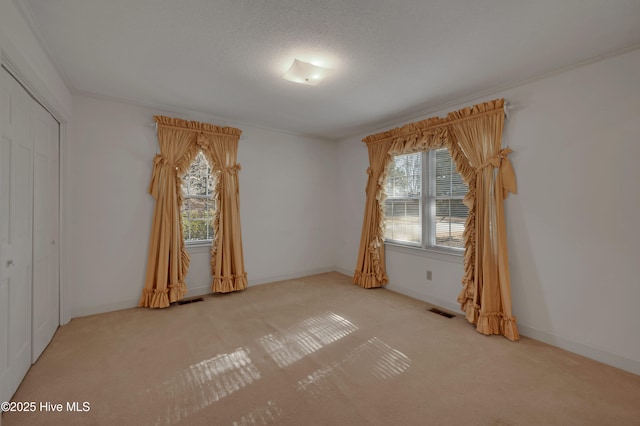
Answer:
[(449, 190), (198, 204), (403, 212), (433, 218)]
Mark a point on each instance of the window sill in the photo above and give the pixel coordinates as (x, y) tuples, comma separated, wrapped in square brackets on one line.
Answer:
[(198, 248), (452, 257)]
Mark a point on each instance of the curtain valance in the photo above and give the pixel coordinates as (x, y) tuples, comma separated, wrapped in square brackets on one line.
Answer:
[(436, 126), (195, 126)]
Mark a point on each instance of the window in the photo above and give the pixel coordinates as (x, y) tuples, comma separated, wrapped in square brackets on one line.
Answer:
[(432, 218), (198, 204), (403, 206)]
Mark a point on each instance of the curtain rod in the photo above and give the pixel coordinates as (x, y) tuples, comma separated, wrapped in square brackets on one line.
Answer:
[(155, 129), (505, 107), (435, 126)]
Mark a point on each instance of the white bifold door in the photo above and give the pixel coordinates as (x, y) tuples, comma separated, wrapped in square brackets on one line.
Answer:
[(29, 232)]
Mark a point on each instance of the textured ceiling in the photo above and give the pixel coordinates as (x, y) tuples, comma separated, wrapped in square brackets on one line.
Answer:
[(391, 59)]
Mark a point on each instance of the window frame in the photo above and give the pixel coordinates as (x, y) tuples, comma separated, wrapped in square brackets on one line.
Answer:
[(209, 197), (427, 246)]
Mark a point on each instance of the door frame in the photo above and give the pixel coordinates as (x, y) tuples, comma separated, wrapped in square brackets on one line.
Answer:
[(37, 89)]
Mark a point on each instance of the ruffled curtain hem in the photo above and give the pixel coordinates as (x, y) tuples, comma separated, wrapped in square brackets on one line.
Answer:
[(162, 298), (497, 323), (470, 309), (488, 323), (370, 280), (229, 284)]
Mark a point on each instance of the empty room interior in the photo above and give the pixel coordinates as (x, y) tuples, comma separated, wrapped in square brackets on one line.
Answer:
[(330, 212)]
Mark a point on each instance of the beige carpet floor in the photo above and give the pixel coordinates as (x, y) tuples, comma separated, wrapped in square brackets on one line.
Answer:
[(313, 351)]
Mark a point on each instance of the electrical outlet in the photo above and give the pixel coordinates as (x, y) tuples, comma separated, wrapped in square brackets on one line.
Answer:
[(429, 275)]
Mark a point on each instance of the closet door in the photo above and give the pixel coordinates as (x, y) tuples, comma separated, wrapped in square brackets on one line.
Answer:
[(16, 225), (46, 290), (29, 232)]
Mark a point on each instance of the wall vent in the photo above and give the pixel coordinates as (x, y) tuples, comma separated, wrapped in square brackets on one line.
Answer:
[(442, 313), (190, 300)]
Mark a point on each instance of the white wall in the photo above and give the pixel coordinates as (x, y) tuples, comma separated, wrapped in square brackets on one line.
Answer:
[(286, 197), (574, 239), (21, 45)]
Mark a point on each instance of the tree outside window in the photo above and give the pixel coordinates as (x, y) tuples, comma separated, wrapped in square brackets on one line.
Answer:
[(198, 205)]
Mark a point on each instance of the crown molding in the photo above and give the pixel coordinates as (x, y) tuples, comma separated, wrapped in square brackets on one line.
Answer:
[(391, 123)]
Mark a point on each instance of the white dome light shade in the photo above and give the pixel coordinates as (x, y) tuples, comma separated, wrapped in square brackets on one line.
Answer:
[(306, 73)]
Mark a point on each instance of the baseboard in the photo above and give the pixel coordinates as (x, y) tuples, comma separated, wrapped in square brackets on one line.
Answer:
[(453, 307), (344, 271), (195, 291), (198, 291), (292, 276), (127, 304), (606, 357), (101, 309)]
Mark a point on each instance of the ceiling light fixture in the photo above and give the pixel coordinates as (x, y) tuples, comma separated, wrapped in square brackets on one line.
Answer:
[(306, 73)]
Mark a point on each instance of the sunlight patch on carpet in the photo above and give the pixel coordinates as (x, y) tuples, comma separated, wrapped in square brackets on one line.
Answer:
[(268, 415), (373, 357), (206, 382), (308, 336)]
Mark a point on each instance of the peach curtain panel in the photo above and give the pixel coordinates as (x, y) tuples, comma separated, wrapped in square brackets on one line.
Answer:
[(227, 259), (486, 299), (168, 261), (370, 271), (473, 137)]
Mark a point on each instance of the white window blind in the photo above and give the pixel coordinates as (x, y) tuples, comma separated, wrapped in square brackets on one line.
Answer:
[(450, 213), (433, 218)]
